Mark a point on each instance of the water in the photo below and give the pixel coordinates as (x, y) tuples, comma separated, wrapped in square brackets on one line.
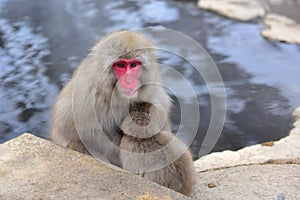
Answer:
[(41, 42)]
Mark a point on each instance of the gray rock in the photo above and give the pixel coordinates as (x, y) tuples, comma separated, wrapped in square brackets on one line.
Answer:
[(33, 168), (251, 182), (265, 171), (243, 10), (281, 28)]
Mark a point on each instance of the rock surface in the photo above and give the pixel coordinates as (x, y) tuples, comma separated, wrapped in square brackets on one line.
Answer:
[(281, 28), (266, 171), (237, 9), (251, 182), (33, 168)]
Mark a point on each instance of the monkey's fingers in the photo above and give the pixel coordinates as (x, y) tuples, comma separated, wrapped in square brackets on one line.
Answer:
[(140, 107), (140, 118), (143, 125)]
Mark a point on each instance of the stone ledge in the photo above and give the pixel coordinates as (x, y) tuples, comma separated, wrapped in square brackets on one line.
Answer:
[(33, 168), (286, 150), (270, 181), (282, 29), (243, 10), (265, 171)]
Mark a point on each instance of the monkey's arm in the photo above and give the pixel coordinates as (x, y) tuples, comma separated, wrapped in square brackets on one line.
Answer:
[(63, 131)]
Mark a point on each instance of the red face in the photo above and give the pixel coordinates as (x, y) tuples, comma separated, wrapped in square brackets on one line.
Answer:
[(127, 72)]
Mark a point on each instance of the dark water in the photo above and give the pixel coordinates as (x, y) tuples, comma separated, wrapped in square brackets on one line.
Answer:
[(41, 42)]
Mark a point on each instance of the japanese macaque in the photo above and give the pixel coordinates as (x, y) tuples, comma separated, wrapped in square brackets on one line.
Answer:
[(119, 71), (153, 154)]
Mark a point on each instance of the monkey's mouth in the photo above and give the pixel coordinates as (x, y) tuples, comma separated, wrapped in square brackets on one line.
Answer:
[(130, 92)]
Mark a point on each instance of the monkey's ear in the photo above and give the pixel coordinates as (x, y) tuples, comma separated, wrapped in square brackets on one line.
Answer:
[(143, 123)]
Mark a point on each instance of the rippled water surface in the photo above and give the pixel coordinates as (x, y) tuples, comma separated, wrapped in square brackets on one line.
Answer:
[(41, 42)]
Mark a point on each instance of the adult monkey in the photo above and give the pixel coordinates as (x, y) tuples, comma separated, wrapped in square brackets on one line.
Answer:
[(120, 70)]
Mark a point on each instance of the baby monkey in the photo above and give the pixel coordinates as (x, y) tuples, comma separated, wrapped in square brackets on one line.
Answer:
[(153, 154)]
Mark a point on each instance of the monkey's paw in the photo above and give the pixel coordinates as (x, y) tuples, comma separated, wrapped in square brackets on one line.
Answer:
[(140, 118), (143, 121)]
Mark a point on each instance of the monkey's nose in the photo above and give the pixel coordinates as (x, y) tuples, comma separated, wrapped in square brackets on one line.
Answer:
[(128, 79)]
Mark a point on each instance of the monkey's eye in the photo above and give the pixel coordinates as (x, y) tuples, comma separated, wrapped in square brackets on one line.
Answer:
[(120, 65), (133, 65)]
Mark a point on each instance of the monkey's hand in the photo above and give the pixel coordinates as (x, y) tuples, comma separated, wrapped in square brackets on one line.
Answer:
[(144, 120)]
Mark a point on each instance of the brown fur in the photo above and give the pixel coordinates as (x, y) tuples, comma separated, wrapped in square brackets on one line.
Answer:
[(159, 157), (90, 108)]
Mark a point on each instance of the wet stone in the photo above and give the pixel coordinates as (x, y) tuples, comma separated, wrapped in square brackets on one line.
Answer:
[(282, 29), (243, 10)]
